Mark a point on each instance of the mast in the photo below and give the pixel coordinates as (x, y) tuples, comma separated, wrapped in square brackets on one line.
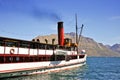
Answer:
[(76, 35), (78, 40), (76, 29)]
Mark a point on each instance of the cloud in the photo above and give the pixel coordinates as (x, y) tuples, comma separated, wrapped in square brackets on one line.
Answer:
[(115, 18)]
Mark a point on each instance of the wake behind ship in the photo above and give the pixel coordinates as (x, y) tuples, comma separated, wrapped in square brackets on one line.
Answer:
[(22, 57)]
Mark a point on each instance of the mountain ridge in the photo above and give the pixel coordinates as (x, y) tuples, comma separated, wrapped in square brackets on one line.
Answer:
[(115, 47)]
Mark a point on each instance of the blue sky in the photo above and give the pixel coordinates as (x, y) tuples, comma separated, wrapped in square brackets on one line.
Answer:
[(26, 19)]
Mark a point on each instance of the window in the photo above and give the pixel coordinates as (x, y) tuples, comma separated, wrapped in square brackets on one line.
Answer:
[(24, 44), (1, 43), (11, 44), (1, 59)]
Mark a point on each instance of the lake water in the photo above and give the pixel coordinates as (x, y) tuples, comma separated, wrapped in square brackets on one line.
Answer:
[(95, 69)]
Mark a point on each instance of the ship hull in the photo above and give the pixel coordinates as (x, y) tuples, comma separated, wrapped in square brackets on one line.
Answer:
[(20, 69)]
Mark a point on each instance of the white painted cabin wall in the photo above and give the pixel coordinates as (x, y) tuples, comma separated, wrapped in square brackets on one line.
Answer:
[(1, 50), (32, 51), (23, 51)]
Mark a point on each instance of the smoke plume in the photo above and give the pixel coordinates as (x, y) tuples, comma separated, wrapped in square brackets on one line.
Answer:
[(28, 7), (45, 14)]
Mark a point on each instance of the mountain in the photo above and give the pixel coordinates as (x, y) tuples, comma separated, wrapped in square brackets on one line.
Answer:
[(108, 46), (116, 48), (92, 47)]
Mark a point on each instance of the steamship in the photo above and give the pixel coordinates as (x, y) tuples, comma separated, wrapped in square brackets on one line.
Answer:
[(22, 57)]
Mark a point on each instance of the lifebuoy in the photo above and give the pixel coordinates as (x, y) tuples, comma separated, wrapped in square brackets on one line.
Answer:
[(12, 51)]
